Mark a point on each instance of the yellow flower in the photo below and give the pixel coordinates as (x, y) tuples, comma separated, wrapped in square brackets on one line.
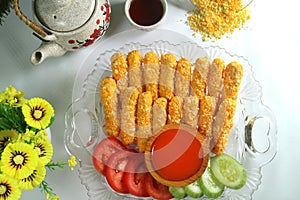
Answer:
[(33, 179), (72, 162), (45, 150), (9, 189), (28, 136), (19, 160), (50, 197), (12, 96), (7, 136), (38, 113)]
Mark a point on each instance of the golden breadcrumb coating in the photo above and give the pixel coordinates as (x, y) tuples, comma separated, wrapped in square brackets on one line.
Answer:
[(128, 125), (151, 73), (191, 111), (183, 77), (233, 74), (119, 70), (108, 95), (207, 111), (167, 75), (199, 77), (144, 130), (175, 110), (159, 114), (134, 60), (215, 77)]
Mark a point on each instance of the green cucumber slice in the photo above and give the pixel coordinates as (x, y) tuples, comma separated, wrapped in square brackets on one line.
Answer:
[(193, 190), (228, 171), (210, 188), (177, 192)]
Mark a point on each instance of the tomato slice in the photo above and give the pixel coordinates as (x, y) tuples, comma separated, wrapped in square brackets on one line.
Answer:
[(156, 189), (135, 174), (104, 150), (114, 170)]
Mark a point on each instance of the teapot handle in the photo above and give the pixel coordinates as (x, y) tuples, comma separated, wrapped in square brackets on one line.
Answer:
[(27, 21)]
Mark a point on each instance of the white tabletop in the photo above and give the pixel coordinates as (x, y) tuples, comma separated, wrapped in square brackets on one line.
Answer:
[(270, 43)]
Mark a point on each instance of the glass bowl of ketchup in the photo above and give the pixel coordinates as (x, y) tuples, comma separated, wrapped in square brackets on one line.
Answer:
[(146, 15)]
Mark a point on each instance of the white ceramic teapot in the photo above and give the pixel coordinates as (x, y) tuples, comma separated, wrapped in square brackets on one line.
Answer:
[(66, 25)]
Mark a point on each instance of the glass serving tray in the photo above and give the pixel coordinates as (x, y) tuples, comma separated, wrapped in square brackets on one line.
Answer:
[(84, 120)]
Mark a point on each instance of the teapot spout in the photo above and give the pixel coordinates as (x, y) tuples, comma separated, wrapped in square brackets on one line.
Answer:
[(47, 49)]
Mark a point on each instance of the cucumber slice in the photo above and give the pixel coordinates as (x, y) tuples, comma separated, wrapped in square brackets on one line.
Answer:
[(210, 188), (177, 192), (228, 171), (193, 190)]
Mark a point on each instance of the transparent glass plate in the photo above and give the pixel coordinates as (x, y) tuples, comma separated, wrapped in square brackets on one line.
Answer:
[(253, 139)]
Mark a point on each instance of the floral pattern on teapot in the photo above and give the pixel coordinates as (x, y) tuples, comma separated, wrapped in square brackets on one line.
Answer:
[(102, 27)]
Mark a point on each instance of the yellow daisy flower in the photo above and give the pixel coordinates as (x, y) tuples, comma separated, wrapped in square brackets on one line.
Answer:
[(7, 136), (12, 96), (9, 189), (38, 113), (28, 136), (44, 149), (33, 179), (19, 160)]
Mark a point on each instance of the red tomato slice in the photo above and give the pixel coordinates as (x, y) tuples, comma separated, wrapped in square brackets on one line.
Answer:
[(104, 150), (114, 170), (156, 189), (135, 174)]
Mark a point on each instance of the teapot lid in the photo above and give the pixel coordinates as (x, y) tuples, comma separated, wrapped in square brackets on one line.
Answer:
[(63, 15)]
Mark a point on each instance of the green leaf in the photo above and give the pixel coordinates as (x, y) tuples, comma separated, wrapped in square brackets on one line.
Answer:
[(12, 118)]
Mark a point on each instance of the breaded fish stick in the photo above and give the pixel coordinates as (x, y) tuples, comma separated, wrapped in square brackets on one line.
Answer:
[(128, 126), (144, 130), (167, 75), (119, 71), (207, 111), (233, 74), (222, 126), (183, 77), (109, 99), (134, 60), (199, 77), (215, 77), (151, 73), (191, 111), (159, 114), (175, 110)]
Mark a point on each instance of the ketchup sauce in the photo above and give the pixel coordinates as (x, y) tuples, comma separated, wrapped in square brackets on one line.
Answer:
[(146, 12), (176, 155)]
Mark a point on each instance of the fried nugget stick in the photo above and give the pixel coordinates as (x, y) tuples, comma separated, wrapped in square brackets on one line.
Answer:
[(175, 110), (215, 77), (128, 126), (233, 74), (159, 114), (207, 111), (183, 77), (167, 75), (119, 70), (134, 60), (223, 125), (109, 99), (199, 77), (151, 73), (191, 111), (144, 119)]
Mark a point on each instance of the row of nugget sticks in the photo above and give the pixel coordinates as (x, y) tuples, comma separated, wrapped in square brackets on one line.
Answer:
[(145, 93)]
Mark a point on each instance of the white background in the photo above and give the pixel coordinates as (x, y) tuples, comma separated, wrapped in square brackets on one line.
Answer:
[(270, 43)]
